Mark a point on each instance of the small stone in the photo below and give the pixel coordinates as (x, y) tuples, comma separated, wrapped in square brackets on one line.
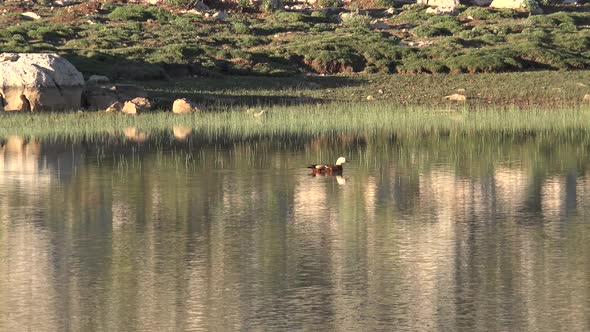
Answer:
[(380, 25), (31, 15), (370, 97), (260, 114), (97, 79), (380, 91), (115, 107), (578, 84), (9, 57), (456, 97), (142, 103), (586, 97), (220, 16), (200, 6)]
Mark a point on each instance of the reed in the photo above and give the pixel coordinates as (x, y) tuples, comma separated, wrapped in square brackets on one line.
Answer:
[(305, 120)]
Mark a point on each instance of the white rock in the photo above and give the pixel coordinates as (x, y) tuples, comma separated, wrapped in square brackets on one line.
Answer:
[(509, 4), (441, 10), (31, 15), (220, 16), (456, 97), (62, 3), (380, 25), (440, 3), (114, 107)]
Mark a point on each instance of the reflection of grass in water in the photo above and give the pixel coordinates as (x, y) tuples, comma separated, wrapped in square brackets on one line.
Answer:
[(302, 120)]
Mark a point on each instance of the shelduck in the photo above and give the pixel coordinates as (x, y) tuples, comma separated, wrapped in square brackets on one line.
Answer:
[(328, 169)]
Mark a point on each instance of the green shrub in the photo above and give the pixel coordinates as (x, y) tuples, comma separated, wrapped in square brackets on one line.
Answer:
[(478, 13), (572, 42), (414, 14), (328, 3), (492, 39), (289, 17), (186, 21), (418, 66), (355, 21), (271, 5), (240, 28), (481, 61), (322, 27), (438, 26)]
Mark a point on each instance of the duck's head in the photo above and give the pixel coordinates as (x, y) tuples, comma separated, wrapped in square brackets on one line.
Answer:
[(340, 161)]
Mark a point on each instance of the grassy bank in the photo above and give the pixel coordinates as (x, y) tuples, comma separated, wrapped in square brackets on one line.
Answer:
[(525, 90), (126, 41), (308, 120)]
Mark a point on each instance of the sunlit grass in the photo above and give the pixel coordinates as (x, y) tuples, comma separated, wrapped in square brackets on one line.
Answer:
[(304, 120)]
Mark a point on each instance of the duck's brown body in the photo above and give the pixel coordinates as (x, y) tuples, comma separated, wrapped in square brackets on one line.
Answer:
[(328, 169)]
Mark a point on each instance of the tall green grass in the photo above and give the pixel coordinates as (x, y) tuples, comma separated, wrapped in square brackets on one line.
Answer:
[(281, 121)]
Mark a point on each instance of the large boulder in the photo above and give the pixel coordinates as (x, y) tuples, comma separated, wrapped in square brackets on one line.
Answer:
[(39, 81), (183, 105)]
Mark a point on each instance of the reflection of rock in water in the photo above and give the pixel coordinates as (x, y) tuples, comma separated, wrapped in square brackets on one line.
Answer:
[(26, 267), (19, 162), (552, 197), (181, 133), (510, 184), (310, 200), (135, 135)]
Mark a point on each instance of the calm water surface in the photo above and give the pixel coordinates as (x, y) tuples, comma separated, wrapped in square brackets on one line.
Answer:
[(152, 233)]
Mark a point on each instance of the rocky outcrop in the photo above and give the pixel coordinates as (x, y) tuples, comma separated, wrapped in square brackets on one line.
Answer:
[(100, 97), (183, 105), (38, 81)]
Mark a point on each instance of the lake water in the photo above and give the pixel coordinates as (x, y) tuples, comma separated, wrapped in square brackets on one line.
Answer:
[(146, 232)]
